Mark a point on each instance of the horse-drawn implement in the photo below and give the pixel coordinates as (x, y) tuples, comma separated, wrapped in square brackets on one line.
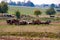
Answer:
[(19, 22)]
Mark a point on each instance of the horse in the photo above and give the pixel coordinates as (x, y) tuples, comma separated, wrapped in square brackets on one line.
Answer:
[(14, 21), (47, 22), (23, 22), (9, 22), (36, 22)]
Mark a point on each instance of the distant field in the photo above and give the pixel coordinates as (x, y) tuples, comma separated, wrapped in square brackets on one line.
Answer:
[(26, 10)]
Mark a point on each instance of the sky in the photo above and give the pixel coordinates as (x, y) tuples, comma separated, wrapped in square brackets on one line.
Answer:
[(40, 1)]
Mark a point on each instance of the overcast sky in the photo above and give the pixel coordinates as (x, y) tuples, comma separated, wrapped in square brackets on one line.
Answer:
[(40, 1)]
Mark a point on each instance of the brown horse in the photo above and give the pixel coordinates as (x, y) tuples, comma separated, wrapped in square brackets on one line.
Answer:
[(36, 22)]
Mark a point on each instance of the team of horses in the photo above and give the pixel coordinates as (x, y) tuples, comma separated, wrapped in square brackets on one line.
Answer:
[(18, 22)]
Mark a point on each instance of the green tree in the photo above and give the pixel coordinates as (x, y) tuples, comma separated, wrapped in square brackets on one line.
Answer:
[(51, 12), (37, 12), (3, 7), (17, 14), (0, 8)]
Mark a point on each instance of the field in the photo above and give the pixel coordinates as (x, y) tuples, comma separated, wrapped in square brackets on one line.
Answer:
[(30, 32), (53, 27), (23, 10), (19, 32), (27, 10)]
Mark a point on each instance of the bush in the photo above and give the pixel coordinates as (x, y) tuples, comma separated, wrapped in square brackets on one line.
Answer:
[(51, 11), (37, 12), (17, 14)]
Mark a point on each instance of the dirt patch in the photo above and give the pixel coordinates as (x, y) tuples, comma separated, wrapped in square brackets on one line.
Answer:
[(3, 23)]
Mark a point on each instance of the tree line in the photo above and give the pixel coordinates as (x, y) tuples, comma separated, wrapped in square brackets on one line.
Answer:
[(28, 3)]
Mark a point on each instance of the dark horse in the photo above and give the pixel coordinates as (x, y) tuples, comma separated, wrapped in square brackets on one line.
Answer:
[(14, 21)]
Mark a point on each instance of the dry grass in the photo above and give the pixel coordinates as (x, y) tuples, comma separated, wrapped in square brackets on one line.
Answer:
[(24, 38), (30, 28), (53, 27)]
